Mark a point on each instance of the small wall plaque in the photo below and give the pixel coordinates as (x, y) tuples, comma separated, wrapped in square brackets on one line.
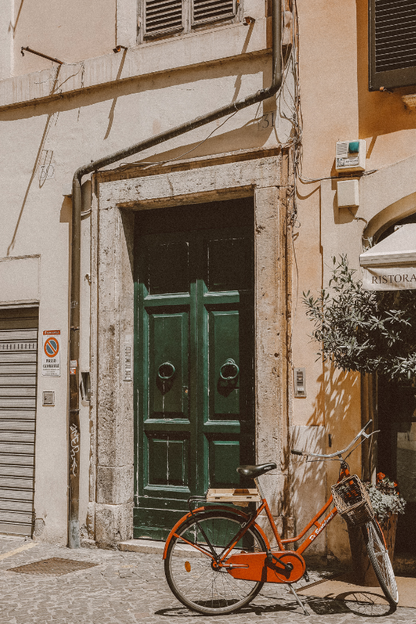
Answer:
[(128, 359), (48, 398), (299, 382)]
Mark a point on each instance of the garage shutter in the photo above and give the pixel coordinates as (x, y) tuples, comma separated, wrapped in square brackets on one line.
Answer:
[(18, 353), (392, 43)]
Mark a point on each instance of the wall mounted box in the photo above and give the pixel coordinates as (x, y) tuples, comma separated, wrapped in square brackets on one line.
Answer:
[(299, 379), (48, 398), (348, 194), (350, 155)]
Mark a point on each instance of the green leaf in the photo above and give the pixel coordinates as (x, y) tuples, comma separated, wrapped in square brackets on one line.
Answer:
[(363, 331)]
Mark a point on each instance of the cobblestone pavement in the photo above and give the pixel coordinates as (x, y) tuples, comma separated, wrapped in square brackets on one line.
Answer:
[(126, 588)]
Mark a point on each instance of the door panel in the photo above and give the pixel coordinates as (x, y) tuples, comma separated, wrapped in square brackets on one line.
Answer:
[(193, 357), (168, 365), (223, 330), (168, 266), (168, 461), (223, 272), (224, 456)]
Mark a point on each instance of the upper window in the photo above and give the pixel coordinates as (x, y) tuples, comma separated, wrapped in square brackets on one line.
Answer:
[(392, 43), (160, 18)]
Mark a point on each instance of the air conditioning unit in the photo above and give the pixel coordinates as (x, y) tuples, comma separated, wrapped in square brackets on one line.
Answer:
[(350, 155)]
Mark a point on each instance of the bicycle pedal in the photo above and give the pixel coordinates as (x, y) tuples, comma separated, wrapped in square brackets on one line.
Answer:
[(306, 576)]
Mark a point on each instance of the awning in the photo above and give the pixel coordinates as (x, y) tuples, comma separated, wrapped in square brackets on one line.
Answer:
[(391, 264)]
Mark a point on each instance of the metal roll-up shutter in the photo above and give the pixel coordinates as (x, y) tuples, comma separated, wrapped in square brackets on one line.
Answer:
[(18, 356)]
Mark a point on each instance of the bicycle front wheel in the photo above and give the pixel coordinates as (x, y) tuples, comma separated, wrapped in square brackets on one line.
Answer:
[(189, 569), (380, 560)]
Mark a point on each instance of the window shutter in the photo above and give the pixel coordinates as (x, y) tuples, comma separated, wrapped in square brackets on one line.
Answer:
[(162, 16), (204, 11), (392, 43)]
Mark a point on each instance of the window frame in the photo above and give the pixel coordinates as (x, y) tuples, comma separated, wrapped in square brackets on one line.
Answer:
[(394, 78), (188, 24)]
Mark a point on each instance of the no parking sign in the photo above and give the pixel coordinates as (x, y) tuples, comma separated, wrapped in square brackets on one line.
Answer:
[(51, 357)]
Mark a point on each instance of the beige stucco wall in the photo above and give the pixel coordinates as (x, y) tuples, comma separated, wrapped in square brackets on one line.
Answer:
[(336, 105), (69, 32), (5, 39), (56, 119)]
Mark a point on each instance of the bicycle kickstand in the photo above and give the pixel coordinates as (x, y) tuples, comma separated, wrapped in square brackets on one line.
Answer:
[(298, 600)]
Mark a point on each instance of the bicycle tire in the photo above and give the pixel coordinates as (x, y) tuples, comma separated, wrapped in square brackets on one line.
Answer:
[(190, 574), (380, 560)]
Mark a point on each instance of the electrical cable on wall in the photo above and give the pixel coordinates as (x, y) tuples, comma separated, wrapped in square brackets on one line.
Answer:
[(280, 96), (164, 162)]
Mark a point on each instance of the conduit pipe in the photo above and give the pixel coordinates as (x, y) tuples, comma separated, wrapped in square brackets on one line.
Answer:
[(74, 422)]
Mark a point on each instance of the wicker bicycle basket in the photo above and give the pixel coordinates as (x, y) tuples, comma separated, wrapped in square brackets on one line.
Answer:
[(352, 501)]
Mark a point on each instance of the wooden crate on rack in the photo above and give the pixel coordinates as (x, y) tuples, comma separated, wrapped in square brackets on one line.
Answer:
[(237, 496)]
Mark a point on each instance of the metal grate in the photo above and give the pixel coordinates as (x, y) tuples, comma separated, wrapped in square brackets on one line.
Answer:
[(162, 16), (55, 566), (18, 390), (212, 10), (395, 34)]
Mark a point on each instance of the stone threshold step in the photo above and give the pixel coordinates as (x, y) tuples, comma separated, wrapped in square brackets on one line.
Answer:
[(142, 546)]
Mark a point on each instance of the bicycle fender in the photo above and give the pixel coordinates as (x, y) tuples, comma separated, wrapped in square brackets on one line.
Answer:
[(200, 510)]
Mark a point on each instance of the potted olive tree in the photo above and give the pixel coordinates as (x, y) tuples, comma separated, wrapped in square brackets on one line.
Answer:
[(364, 331), (367, 332)]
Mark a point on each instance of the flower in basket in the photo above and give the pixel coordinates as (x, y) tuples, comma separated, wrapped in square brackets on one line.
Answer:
[(385, 498)]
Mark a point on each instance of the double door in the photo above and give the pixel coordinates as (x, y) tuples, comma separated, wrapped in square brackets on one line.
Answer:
[(193, 357)]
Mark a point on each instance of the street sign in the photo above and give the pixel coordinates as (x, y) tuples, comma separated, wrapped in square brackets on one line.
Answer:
[(51, 357)]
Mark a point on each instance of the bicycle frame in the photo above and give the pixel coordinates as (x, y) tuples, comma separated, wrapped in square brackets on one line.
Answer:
[(257, 560), (320, 526), (210, 531)]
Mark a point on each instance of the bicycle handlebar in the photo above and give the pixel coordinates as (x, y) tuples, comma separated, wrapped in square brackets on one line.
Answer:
[(338, 453)]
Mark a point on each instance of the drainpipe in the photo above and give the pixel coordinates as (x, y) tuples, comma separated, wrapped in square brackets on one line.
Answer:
[(74, 426)]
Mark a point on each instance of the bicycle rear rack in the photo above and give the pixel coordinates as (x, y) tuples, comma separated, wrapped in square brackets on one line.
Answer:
[(241, 497)]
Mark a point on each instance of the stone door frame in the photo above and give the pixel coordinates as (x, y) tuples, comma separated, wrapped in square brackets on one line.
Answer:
[(116, 197)]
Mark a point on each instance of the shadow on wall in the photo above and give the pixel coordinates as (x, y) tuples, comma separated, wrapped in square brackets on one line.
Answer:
[(32, 177), (12, 27), (249, 136), (39, 165), (338, 406), (114, 102), (184, 81)]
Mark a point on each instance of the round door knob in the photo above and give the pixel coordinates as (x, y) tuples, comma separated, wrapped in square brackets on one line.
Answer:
[(229, 370), (166, 371)]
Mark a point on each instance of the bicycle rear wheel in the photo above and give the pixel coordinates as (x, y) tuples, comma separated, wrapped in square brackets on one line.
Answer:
[(380, 560), (189, 567)]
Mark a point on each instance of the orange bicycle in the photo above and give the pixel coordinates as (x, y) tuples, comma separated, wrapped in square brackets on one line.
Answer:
[(217, 558)]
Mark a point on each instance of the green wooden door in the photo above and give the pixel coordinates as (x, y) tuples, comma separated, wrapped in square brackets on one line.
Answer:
[(194, 357)]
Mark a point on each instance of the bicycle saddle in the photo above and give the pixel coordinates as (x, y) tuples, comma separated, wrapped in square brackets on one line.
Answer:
[(255, 471)]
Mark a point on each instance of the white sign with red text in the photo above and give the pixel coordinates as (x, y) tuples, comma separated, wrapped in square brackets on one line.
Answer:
[(51, 356)]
